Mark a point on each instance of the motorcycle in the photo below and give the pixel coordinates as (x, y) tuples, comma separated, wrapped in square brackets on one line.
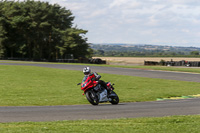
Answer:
[(95, 93)]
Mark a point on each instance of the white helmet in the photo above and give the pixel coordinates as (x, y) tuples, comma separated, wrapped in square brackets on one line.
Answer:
[(86, 70)]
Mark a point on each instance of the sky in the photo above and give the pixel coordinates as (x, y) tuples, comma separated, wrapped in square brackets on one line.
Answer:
[(157, 22)]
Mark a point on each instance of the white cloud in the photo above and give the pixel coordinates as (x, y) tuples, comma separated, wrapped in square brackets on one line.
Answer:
[(117, 3), (137, 21), (125, 4)]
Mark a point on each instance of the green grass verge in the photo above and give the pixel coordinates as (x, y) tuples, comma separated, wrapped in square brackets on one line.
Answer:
[(28, 85), (173, 124)]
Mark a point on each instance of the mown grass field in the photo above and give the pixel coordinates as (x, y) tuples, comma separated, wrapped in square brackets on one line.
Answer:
[(173, 124), (28, 85)]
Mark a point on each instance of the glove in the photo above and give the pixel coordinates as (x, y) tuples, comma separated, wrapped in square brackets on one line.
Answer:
[(98, 77)]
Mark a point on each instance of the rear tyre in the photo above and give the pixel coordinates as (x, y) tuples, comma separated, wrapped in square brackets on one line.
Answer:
[(92, 97), (115, 99)]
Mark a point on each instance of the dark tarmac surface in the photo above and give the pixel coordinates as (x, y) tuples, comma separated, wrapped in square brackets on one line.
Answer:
[(102, 111), (107, 111)]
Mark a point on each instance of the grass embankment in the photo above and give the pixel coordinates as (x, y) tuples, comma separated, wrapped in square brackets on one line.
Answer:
[(174, 124), (28, 85)]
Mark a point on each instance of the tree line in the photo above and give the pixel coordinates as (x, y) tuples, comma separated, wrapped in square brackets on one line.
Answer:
[(38, 30), (114, 53)]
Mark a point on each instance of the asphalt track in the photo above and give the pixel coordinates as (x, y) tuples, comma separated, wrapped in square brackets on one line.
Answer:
[(102, 111), (107, 111)]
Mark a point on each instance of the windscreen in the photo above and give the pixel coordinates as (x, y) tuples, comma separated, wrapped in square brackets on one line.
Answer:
[(85, 78), (84, 83)]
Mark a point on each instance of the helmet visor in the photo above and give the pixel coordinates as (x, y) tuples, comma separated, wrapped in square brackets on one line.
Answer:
[(86, 73)]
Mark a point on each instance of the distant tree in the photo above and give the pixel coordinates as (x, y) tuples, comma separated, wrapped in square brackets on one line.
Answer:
[(100, 52), (194, 53)]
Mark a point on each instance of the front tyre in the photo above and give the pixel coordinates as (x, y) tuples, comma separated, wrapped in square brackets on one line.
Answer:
[(115, 99), (92, 97)]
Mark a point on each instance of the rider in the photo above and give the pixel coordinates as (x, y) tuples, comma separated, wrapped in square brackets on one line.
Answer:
[(87, 71)]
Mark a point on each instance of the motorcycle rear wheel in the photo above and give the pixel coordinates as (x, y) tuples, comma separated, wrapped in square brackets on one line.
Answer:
[(115, 99), (92, 97)]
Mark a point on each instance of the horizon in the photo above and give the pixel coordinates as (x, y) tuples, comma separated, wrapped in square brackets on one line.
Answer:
[(142, 44)]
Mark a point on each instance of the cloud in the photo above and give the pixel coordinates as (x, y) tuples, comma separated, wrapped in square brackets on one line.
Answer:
[(146, 21), (125, 4), (117, 3), (137, 21)]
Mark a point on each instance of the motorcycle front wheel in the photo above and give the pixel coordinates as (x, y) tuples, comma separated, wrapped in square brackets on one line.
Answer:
[(92, 97), (115, 99)]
